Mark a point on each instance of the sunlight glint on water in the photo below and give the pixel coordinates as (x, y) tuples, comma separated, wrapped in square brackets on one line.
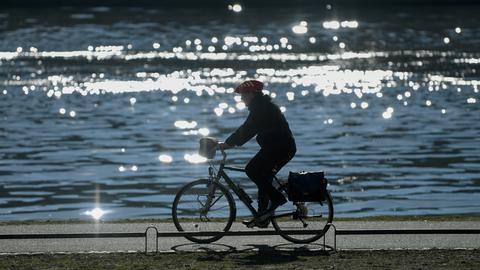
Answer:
[(111, 116)]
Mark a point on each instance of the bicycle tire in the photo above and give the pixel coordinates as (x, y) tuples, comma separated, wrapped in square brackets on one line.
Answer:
[(321, 223), (191, 222)]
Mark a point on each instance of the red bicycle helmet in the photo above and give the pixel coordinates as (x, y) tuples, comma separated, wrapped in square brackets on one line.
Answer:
[(249, 86)]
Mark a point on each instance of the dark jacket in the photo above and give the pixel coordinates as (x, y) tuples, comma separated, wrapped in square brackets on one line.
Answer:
[(268, 123)]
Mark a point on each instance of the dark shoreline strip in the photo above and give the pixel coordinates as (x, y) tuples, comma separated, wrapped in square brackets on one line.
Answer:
[(222, 3)]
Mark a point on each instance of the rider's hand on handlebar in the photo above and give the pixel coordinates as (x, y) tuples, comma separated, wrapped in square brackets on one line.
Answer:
[(224, 146)]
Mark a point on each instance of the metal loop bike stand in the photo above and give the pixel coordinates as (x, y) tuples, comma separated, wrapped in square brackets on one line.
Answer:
[(334, 237), (396, 232), (146, 238)]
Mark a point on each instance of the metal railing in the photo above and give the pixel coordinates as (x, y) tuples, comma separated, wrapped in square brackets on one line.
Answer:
[(237, 233), (158, 235)]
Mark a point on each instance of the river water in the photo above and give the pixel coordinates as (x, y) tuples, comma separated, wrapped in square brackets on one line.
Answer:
[(101, 109)]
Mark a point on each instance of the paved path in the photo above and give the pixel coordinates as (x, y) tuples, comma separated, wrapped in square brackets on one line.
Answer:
[(235, 243)]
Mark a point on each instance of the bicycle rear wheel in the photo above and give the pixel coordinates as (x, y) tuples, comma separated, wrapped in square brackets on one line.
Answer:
[(307, 216), (203, 205)]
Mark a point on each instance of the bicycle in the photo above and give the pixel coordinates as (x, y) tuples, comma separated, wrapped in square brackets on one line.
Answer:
[(207, 205)]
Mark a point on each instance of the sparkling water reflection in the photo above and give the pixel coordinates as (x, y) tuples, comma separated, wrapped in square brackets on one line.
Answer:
[(100, 117)]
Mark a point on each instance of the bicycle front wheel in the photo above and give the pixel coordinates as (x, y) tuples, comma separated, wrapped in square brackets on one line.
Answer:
[(304, 216), (203, 205)]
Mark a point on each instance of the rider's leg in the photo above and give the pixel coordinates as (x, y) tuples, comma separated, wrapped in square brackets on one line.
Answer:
[(255, 170), (262, 168), (259, 170), (262, 200)]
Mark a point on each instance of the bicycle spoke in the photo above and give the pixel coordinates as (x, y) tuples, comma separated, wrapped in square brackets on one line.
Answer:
[(219, 197), (198, 200)]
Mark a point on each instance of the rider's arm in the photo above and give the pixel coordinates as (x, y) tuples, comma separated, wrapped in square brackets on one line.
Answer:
[(244, 133)]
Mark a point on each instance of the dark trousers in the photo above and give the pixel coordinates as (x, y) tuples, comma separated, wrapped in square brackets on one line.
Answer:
[(261, 169)]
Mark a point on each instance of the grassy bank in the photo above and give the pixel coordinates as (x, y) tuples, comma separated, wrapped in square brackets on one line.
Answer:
[(263, 259), (375, 218)]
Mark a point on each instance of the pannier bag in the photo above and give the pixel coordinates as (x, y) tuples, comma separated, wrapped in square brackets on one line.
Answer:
[(307, 186), (208, 147)]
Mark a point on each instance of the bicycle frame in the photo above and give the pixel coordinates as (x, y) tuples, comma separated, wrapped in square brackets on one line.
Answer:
[(247, 200), (244, 197)]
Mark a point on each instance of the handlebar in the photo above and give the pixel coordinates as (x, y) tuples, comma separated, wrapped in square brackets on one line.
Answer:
[(224, 154), (208, 147)]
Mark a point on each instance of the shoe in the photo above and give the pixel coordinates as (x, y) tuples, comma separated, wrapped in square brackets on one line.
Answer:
[(265, 215), (262, 203), (254, 223)]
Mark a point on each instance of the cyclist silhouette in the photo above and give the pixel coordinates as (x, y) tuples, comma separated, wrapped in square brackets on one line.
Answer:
[(275, 138)]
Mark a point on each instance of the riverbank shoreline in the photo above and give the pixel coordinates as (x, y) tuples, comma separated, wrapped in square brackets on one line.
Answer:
[(433, 218)]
